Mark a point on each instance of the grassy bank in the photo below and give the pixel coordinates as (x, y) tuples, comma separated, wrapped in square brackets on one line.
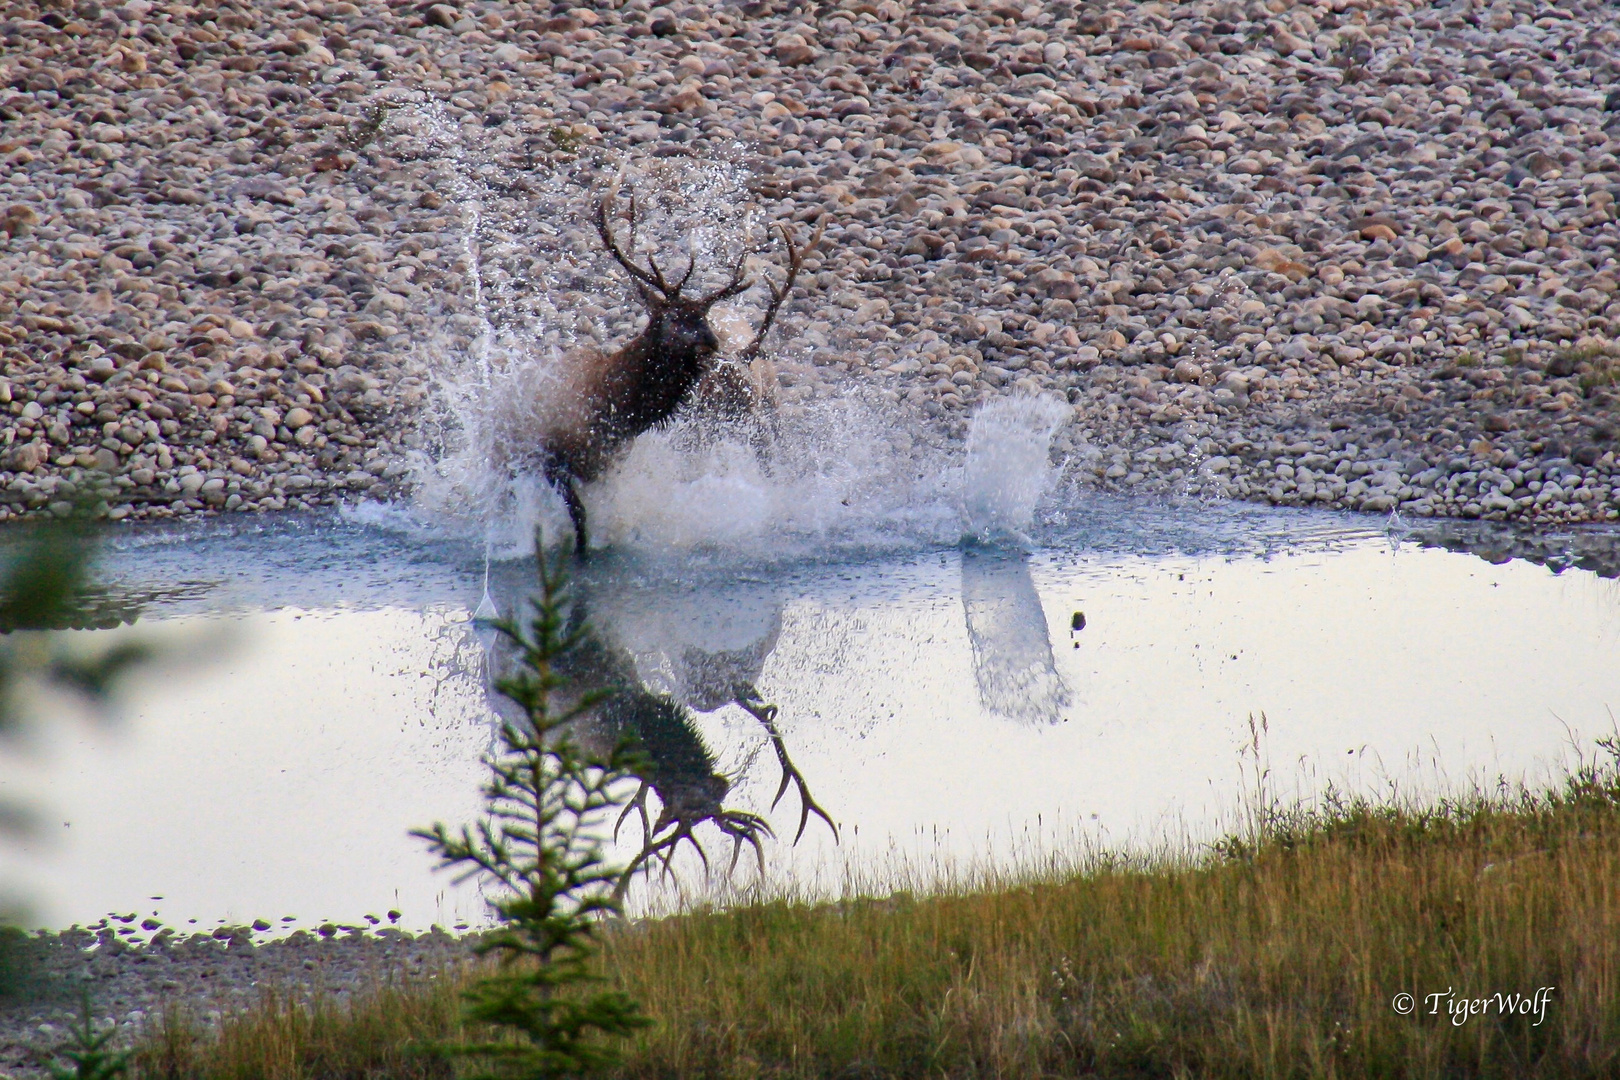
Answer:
[(1279, 955)]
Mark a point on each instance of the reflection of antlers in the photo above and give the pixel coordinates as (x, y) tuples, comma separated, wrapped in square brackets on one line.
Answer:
[(795, 260), (653, 277), (741, 826), (639, 804), (766, 715)]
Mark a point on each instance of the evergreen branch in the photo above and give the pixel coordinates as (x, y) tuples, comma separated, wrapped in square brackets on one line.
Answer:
[(547, 801)]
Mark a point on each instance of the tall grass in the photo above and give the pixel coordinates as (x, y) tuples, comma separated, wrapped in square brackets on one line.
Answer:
[(380, 1032), (1277, 954)]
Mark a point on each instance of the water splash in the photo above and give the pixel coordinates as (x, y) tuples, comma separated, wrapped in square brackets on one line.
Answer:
[(534, 287), (847, 472), (851, 467), (1008, 466)]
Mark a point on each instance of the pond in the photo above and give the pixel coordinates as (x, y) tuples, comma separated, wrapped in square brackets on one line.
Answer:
[(954, 707)]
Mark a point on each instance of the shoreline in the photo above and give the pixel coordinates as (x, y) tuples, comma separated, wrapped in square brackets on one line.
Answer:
[(1311, 915), (203, 976)]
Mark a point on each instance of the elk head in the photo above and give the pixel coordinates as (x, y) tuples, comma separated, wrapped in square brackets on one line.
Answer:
[(677, 336)]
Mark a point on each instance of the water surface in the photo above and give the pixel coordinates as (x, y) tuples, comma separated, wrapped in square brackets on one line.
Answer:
[(938, 700)]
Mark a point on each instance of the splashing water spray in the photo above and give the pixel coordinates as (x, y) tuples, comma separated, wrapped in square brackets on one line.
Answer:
[(851, 467), (1008, 466)]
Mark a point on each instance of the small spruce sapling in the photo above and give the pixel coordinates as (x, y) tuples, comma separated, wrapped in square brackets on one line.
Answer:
[(547, 799), (88, 1053)]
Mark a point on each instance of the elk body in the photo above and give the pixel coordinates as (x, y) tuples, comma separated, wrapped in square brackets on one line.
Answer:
[(607, 399)]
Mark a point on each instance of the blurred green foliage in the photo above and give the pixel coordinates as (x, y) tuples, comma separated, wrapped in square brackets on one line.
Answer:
[(45, 578)]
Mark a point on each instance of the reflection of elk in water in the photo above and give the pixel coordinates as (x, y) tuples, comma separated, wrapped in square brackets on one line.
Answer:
[(607, 399), (679, 767)]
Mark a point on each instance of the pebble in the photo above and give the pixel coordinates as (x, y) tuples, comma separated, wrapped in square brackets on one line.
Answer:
[(1245, 232)]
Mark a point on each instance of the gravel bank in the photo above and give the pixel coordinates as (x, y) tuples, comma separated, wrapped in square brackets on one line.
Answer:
[(1299, 253), (204, 976)]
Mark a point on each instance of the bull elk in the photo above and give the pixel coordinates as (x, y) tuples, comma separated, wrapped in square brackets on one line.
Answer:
[(610, 398)]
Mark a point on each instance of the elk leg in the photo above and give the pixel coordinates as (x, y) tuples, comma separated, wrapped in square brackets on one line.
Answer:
[(558, 475), (576, 514), (766, 715), (762, 438)]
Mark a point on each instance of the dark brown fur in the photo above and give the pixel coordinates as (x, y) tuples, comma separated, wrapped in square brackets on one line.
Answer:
[(613, 397)]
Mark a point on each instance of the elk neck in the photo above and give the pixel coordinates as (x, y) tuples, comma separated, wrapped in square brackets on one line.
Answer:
[(649, 379)]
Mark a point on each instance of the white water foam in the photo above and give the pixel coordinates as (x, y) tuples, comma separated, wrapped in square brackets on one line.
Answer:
[(842, 474), (1008, 466)]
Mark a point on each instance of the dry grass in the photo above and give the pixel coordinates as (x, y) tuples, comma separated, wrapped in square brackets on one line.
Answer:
[(1597, 366), (1275, 957), (384, 1032)]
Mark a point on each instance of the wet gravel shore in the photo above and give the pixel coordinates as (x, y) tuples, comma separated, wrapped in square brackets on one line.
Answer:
[(133, 983), (1299, 253)]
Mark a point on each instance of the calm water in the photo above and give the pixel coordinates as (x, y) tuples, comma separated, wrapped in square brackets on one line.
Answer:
[(937, 701)]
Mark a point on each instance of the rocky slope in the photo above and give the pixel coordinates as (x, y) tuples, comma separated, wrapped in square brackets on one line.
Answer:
[(1333, 253)]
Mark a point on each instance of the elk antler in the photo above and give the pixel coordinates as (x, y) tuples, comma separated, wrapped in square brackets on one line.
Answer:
[(795, 261), (738, 284), (642, 279)]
